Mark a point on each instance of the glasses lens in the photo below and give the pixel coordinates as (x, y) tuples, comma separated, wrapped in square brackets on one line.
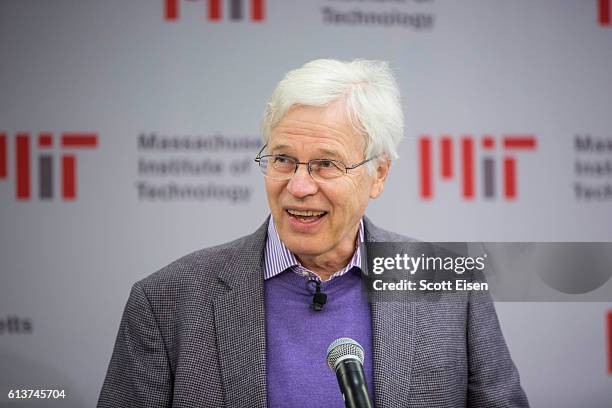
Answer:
[(277, 167), (326, 169)]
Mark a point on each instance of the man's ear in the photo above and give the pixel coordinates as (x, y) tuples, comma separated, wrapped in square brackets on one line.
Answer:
[(382, 170)]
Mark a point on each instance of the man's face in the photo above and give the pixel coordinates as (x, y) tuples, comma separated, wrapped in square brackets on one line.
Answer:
[(336, 205)]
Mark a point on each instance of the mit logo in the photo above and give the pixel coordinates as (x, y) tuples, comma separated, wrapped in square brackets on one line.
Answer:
[(23, 166), (509, 143), (215, 10), (605, 12)]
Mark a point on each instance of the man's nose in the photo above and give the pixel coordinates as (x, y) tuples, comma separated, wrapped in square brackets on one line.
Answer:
[(301, 183)]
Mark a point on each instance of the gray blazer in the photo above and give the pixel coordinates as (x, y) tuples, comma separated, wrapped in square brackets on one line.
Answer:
[(193, 335)]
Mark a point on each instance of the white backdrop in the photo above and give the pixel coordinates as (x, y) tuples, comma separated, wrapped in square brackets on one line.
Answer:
[(121, 70)]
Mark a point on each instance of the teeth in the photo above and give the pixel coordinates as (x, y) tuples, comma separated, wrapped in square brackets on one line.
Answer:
[(306, 213)]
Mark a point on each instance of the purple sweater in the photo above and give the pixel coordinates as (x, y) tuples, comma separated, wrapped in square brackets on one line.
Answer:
[(298, 337)]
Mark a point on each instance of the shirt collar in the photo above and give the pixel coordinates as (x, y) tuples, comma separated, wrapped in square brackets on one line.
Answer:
[(278, 258)]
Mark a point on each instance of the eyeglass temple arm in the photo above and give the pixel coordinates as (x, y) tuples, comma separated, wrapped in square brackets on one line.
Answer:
[(354, 166), (258, 157)]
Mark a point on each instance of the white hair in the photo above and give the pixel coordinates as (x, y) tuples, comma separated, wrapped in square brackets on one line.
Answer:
[(368, 90)]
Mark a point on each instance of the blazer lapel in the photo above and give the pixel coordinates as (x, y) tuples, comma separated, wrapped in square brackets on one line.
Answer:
[(393, 341), (240, 324)]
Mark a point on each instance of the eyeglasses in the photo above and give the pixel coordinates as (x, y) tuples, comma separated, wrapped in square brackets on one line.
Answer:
[(280, 167)]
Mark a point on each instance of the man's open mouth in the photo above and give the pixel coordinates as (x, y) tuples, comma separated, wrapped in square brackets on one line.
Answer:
[(306, 215)]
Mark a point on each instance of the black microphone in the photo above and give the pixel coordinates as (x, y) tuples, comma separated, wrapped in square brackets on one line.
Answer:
[(319, 298), (345, 358)]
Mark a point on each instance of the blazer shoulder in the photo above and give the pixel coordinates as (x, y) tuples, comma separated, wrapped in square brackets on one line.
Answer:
[(377, 234)]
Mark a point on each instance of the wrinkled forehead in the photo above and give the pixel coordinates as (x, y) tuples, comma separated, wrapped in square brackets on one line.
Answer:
[(320, 129)]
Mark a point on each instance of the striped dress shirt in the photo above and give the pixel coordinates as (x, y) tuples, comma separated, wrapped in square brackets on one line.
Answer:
[(278, 258)]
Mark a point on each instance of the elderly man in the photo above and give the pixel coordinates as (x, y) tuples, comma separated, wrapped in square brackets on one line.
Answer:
[(234, 325)]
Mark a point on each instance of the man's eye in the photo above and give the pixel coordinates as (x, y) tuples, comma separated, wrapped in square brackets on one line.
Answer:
[(326, 164), (282, 160)]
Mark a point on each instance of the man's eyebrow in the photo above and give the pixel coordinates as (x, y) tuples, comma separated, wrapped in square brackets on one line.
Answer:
[(329, 153), (280, 150), (321, 153)]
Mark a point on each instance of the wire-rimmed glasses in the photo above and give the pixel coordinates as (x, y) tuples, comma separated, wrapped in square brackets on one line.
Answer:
[(281, 167)]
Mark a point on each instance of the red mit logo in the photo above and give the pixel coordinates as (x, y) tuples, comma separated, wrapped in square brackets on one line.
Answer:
[(215, 10), (23, 164), (605, 13), (467, 147)]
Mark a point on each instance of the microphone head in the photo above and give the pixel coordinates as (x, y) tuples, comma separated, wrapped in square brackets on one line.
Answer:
[(341, 349)]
